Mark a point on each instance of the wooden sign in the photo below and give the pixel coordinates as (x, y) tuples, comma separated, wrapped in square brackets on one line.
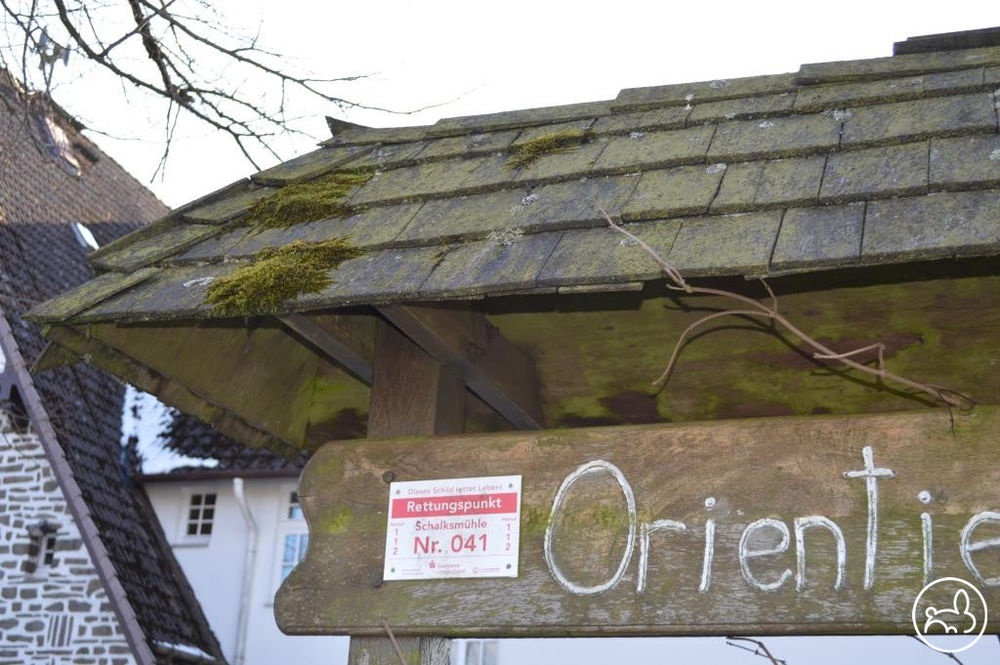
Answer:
[(768, 526)]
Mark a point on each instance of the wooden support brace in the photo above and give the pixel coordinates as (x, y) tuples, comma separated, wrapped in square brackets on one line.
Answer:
[(338, 337), (474, 349)]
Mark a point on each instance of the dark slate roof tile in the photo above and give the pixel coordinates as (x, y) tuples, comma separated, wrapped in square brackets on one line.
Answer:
[(668, 117), (935, 116), (574, 203), (774, 137), (389, 156), (876, 172), (86, 295), (174, 293), (603, 256), (504, 261), (423, 180), (965, 161), (743, 107), (464, 217), (827, 236), (311, 165), (765, 184), (360, 136), (230, 204), (824, 97), (939, 225), (651, 150), (895, 66), (682, 190), (691, 94), (953, 82), (385, 275), (151, 250), (469, 144), (725, 244), (520, 118)]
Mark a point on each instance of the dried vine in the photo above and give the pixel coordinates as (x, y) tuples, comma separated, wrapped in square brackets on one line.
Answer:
[(748, 307), (759, 648)]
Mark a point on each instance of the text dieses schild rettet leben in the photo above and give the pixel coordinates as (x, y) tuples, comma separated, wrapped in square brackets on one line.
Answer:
[(456, 527)]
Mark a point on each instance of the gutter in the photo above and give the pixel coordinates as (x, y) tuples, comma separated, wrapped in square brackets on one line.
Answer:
[(134, 634), (246, 588), (179, 653)]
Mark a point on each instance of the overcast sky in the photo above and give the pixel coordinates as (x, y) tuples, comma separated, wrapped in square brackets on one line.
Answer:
[(469, 58)]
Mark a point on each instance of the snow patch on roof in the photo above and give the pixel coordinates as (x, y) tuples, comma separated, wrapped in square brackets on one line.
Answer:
[(146, 419)]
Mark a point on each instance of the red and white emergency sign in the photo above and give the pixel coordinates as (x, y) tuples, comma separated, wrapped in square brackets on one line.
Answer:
[(458, 527)]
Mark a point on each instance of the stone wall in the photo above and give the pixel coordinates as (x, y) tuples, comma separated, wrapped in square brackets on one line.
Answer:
[(53, 608)]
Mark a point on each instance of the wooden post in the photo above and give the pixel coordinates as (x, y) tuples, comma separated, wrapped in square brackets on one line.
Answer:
[(412, 394)]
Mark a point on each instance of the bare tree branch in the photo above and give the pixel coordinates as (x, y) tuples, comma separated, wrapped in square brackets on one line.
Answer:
[(178, 51), (753, 308), (759, 648), (946, 654)]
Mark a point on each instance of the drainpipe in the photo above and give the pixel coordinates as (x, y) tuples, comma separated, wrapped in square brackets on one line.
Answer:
[(246, 588)]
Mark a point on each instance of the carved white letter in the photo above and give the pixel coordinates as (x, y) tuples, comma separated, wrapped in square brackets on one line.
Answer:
[(745, 554), (871, 476), (592, 467), (967, 548), (645, 529), (803, 523)]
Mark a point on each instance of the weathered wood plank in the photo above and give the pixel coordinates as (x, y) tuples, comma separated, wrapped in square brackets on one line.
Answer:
[(475, 350), (736, 528), (412, 394)]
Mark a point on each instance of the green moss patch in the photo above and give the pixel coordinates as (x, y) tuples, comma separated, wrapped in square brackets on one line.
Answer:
[(279, 274), (308, 201), (525, 154)]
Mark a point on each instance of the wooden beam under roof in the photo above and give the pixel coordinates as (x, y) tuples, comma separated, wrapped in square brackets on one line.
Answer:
[(462, 340), (477, 352)]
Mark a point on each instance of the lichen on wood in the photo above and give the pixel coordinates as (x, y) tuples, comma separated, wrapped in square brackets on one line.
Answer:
[(525, 154), (308, 201), (277, 275)]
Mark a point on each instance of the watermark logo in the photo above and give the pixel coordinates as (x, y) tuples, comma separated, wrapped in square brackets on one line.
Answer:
[(949, 615)]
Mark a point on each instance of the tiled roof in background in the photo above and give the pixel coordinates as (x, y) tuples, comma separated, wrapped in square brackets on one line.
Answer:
[(40, 198)]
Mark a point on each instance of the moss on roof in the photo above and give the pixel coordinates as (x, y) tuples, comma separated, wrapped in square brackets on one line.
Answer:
[(525, 154), (279, 274), (308, 201)]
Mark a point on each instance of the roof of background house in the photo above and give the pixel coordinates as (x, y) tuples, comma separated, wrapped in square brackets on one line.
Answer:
[(858, 164), (41, 257)]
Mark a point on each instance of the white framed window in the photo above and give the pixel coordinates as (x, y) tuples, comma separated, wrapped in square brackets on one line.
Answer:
[(294, 511), (198, 517), (293, 551), (476, 652), (293, 536)]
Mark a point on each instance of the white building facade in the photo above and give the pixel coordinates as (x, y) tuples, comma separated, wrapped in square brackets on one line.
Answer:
[(53, 607), (236, 539)]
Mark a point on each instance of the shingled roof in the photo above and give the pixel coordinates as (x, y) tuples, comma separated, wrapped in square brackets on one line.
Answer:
[(42, 256), (837, 167)]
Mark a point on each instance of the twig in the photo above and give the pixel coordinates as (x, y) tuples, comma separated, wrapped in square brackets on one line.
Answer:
[(392, 638), (752, 307), (948, 654), (760, 649)]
